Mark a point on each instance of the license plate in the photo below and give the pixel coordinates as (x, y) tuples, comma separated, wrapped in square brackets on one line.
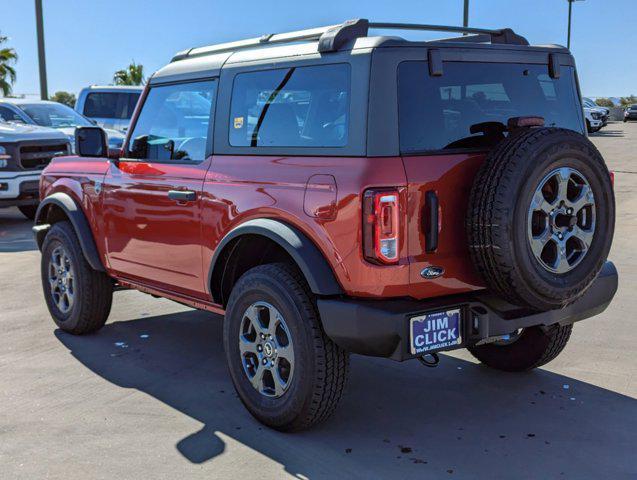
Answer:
[(435, 331)]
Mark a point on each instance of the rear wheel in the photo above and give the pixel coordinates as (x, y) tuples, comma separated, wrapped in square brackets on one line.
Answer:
[(287, 372), (78, 297), (524, 350), (28, 211)]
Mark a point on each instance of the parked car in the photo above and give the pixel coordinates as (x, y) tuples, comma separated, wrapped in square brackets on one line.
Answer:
[(589, 102), (333, 192), (594, 119), (54, 115), (24, 151), (605, 111), (630, 113), (111, 107)]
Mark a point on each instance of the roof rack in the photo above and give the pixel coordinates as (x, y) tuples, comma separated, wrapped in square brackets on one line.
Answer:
[(333, 37)]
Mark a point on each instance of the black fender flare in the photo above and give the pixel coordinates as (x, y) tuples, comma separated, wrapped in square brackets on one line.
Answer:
[(78, 220), (308, 257)]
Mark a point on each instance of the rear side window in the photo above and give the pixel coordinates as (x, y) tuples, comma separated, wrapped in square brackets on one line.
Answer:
[(118, 105), (446, 112), (174, 122), (291, 107)]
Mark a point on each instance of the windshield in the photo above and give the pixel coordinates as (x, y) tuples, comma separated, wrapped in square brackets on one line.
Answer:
[(470, 104), (54, 115)]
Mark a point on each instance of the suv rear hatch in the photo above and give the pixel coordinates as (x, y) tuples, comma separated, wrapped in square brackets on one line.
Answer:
[(447, 125)]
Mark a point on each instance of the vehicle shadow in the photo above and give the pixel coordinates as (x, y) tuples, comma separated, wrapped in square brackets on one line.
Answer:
[(397, 420), (15, 232), (607, 133)]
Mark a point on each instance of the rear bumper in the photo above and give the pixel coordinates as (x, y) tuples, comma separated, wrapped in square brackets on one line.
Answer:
[(381, 328)]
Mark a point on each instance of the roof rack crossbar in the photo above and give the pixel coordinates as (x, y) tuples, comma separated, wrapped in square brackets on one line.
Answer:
[(311, 34), (333, 37), (504, 35)]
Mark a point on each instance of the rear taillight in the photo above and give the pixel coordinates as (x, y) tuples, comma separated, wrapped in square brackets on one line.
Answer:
[(381, 237)]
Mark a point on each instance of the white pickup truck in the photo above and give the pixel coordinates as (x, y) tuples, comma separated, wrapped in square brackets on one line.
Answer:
[(596, 118), (24, 151)]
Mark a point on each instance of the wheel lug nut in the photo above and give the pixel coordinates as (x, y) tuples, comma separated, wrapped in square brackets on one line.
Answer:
[(265, 361)]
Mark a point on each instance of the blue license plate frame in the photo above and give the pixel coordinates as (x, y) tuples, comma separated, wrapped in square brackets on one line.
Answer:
[(435, 331)]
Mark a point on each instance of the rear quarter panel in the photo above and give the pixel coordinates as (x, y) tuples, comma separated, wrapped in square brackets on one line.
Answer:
[(240, 188)]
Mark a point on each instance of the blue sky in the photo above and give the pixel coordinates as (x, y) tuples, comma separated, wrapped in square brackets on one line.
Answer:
[(87, 41)]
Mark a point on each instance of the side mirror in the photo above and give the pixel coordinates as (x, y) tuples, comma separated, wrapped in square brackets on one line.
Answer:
[(90, 142)]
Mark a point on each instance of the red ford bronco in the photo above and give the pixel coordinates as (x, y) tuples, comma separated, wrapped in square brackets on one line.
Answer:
[(332, 192)]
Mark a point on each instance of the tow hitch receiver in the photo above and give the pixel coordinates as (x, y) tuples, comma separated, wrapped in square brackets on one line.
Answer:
[(425, 360)]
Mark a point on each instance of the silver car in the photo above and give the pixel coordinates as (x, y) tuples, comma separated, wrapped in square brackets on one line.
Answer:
[(111, 107), (54, 115)]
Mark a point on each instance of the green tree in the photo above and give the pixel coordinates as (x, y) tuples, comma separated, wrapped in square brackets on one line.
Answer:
[(131, 75), (7, 72), (605, 102), (626, 101), (65, 98)]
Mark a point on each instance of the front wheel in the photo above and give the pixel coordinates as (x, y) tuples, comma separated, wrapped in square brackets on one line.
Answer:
[(524, 350), (78, 297), (287, 372)]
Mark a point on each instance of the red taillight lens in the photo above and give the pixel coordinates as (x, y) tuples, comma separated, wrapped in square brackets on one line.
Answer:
[(381, 209), (612, 179)]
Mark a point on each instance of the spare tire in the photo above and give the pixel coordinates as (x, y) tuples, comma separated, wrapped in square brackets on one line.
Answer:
[(541, 217)]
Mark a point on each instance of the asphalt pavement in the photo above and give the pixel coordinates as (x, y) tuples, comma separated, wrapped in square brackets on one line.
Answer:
[(148, 397)]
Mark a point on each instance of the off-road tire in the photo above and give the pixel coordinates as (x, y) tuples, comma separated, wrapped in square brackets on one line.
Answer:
[(321, 367), (535, 347), (498, 215), (28, 211), (93, 290)]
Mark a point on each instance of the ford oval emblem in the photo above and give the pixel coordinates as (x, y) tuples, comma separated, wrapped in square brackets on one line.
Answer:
[(432, 272)]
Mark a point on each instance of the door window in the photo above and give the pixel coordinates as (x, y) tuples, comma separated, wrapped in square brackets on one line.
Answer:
[(291, 107), (174, 122)]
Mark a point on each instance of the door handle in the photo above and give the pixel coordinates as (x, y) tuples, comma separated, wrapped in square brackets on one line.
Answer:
[(431, 221), (182, 195)]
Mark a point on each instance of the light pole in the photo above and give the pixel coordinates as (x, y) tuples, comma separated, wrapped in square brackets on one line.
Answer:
[(465, 16), (39, 25), (570, 14)]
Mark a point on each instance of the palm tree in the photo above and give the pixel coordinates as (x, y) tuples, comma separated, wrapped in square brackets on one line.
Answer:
[(7, 72), (132, 75)]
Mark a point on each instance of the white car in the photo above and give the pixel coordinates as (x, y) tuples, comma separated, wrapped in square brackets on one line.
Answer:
[(54, 115), (110, 107), (24, 151), (595, 118)]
